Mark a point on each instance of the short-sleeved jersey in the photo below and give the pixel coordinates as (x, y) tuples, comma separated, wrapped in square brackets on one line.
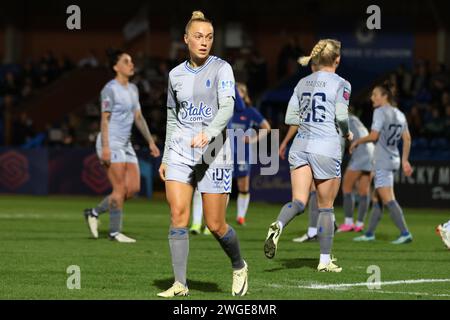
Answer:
[(359, 131), (195, 93), (316, 96), (122, 102), (390, 123), (248, 118)]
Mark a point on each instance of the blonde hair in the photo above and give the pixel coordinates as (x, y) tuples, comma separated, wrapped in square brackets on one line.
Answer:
[(246, 96), (324, 53), (197, 16)]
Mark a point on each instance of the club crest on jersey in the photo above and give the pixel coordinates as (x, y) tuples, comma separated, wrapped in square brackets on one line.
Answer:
[(106, 104), (346, 94), (191, 113), (228, 84), (208, 83)]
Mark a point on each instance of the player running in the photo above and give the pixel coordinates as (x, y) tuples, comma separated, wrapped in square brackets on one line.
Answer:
[(319, 100), (120, 109), (200, 104), (389, 126), (358, 172)]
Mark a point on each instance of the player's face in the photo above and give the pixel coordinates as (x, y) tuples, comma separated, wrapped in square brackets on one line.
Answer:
[(125, 66), (377, 98), (199, 39)]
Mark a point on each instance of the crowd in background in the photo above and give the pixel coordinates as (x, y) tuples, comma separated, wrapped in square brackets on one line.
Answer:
[(422, 93)]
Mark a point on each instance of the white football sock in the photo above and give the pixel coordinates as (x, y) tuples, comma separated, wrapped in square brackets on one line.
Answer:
[(242, 204), (280, 224), (348, 221), (312, 232), (447, 226), (325, 258)]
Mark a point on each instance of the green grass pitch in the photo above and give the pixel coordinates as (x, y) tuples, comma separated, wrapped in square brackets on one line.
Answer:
[(42, 236)]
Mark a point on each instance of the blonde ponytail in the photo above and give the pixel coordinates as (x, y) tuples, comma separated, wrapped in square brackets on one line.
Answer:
[(324, 52), (304, 61)]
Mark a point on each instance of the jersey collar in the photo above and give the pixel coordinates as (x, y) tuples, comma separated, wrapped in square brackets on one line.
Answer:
[(197, 70)]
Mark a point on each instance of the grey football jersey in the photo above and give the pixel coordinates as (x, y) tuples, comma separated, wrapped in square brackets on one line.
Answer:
[(196, 93), (314, 104), (359, 130), (122, 102), (390, 123)]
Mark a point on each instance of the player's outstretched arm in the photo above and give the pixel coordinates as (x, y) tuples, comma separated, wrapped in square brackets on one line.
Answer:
[(265, 126), (104, 127), (283, 146), (406, 137), (170, 128), (343, 120), (292, 117), (141, 124), (372, 137)]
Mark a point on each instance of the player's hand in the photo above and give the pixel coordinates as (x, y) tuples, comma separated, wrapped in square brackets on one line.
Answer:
[(106, 157), (349, 136), (282, 151), (407, 169), (353, 146), (200, 140), (162, 171), (154, 150)]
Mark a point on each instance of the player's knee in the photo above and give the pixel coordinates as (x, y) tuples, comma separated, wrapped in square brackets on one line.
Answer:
[(325, 203), (363, 193), (120, 190), (346, 188), (178, 216), (217, 228), (131, 192)]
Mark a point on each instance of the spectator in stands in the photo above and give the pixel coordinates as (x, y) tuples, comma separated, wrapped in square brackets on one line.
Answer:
[(89, 61), (445, 99), (420, 83), (44, 74), (404, 79), (29, 71), (64, 65), (434, 127), (415, 121), (447, 122), (22, 129), (257, 73), (27, 89), (10, 85)]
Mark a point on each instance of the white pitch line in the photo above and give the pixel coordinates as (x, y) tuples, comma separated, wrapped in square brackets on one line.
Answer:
[(20, 216), (362, 284), (373, 284), (413, 293)]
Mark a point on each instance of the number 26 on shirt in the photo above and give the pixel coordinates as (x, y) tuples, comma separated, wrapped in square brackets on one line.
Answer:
[(311, 108)]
